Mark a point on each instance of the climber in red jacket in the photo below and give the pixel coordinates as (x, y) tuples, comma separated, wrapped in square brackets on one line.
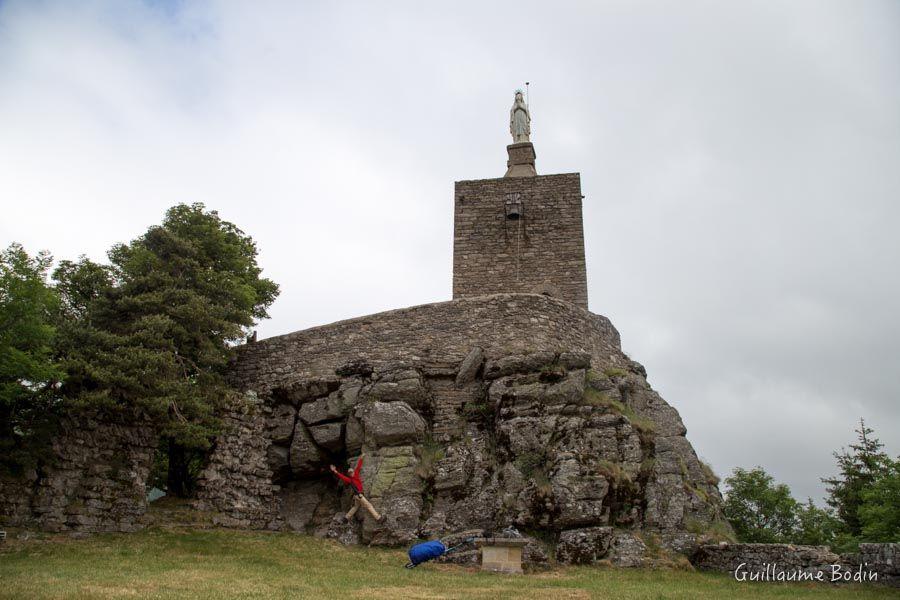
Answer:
[(354, 480)]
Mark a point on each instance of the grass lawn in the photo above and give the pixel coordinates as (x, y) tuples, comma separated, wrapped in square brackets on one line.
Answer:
[(179, 563)]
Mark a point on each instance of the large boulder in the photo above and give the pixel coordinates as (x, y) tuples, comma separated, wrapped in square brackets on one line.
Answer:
[(277, 458), (507, 365), (392, 485), (578, 494), (627, 549), (390, 424), (354, 435), (583, 546), (470, 367), (307, 506), (305, 456), (306, 390), (343, 531), (337, 405), (321, 410)]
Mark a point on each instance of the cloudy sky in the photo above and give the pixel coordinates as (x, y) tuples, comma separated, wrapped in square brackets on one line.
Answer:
[(740, 161)]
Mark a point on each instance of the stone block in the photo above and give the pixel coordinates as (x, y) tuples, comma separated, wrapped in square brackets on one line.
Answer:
[(501, 555), (402, 386)]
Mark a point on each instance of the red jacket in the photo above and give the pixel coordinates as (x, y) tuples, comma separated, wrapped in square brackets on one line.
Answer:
[(355, 478)]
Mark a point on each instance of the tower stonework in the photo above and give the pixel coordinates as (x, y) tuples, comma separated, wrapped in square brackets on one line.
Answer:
[(520, 234)]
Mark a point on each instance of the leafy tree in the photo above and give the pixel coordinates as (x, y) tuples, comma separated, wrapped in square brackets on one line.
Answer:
[(758, 509), (28, 373), (814, 526), (80, 284), (864, 502), (879, 513), (155, 329), (859, 468)]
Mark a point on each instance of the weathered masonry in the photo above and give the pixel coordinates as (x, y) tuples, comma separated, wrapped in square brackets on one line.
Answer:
[(522, 233)]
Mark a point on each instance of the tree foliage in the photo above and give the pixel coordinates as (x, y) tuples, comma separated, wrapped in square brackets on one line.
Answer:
[(28, 372), (154, 330), (859, 467), (863, 502), (814, 526), (865, 494), (758, 509), (879, 512)]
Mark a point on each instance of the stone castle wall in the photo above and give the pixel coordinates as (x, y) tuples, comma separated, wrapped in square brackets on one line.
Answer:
[(542, 252), (433, 335), (94, 480)]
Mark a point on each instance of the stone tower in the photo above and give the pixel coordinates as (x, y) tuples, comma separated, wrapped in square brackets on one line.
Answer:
[(520, 233)]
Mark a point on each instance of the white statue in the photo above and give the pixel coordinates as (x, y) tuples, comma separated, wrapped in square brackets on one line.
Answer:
[(519, 120)]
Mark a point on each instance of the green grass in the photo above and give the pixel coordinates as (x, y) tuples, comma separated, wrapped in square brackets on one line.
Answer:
[(711, 477), (612, 372), (613, 473), (711, 532), (229, 564), (599, 399)]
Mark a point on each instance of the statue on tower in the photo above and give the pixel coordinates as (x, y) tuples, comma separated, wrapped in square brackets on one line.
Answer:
[(519, 120)]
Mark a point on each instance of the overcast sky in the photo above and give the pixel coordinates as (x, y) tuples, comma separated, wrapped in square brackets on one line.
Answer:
[(740, 161)]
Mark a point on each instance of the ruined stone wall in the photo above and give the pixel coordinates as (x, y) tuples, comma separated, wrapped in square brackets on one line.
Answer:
[(758, 557), (94, 480), (428, 335), (236, 486), (884, 559), (541, 252), (874, 563)]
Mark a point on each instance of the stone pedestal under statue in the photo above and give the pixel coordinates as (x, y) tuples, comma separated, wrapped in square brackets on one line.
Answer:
[(521, 160)]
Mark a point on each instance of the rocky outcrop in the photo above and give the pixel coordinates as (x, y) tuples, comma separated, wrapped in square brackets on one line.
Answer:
[(584, 546), (575, 447)]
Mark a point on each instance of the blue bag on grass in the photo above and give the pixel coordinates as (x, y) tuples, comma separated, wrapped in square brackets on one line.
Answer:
[(426, 551)]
